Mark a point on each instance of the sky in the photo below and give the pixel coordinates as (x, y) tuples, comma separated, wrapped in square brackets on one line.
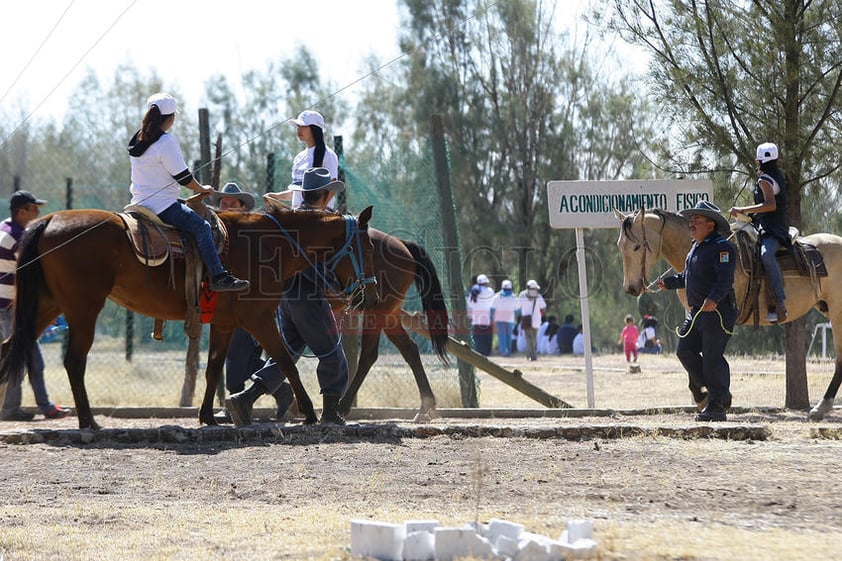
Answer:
[(48, 45)]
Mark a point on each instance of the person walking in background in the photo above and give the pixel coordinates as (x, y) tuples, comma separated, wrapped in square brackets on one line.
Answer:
[(628, 339), (503, 310), (158, 170), (768, 213), (566, 334), (479, 304), (531, 305), (708, 277), (24, 207)]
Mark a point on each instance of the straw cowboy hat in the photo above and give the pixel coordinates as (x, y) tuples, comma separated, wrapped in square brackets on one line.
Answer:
[(709, 210), (233, 190), (315, 179)]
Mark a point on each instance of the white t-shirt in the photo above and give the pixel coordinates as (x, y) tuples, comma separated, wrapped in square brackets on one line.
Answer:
[(579, 344), (646, 334), (532, 307), (304, 161), (153, 185), (480, 311), (504, 307)]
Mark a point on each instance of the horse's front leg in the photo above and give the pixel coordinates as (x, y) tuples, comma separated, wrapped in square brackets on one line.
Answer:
[(217, 351), (825, 406)]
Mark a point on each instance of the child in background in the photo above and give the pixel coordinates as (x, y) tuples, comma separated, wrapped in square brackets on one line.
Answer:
[(628, 338)]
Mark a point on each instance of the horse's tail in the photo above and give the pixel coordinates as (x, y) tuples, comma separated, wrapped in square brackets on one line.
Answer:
[(429, 288), (29, 282)]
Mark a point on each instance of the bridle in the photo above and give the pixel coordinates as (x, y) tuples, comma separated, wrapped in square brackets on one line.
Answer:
[(645, 244), (353, 250)]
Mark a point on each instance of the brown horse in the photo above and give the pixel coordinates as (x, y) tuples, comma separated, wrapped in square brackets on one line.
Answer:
[(645, 237), (397, 263), (71, 261)]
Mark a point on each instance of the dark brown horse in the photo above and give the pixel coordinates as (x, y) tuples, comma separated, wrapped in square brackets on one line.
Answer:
[(397, 264), (71, 261)]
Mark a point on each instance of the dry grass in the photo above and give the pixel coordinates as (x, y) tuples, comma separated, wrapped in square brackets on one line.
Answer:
[(156, 379)]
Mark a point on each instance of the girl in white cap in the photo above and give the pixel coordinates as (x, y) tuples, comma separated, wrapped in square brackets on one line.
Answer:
[(310, 126), (158, 172)]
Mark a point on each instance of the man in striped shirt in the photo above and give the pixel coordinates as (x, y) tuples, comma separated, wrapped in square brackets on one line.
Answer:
[(24, 208)]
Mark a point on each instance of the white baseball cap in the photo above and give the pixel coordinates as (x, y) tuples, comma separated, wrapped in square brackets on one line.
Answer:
[(532, 284), (482, 279), (307, 118), (767, 152), (166, 103)]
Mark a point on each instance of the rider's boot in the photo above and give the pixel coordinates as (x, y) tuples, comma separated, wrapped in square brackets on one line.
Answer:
[(226, 282)]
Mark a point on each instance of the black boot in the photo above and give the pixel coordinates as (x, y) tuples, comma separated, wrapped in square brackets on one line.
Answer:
[(283, 399), (330, 410), (240, 404), (714, 412)]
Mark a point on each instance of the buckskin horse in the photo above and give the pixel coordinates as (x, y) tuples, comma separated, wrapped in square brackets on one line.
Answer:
[(646, 236), (71, 261)]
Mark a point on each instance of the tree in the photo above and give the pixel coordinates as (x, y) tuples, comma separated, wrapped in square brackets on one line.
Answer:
[(731, 75), (519, 109)]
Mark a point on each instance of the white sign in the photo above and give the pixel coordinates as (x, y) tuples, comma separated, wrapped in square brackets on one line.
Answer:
[(591, 204)]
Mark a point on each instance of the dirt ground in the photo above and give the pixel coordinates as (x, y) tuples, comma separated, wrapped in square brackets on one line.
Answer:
[(663, 487)]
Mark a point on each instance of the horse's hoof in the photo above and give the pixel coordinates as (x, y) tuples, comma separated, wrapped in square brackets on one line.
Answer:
[(311, 420), (821, 409), (425, 416)]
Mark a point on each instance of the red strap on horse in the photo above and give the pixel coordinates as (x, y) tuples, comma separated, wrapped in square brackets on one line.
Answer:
[(207, 302)]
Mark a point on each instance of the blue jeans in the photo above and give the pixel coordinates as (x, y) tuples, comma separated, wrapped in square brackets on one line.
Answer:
[(181, 217), (769, 246), (35, 368), (243, 359), (483, 335), (307, 321), (504, 337)]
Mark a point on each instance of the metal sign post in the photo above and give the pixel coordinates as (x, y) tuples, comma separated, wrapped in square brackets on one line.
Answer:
[(591, 204)]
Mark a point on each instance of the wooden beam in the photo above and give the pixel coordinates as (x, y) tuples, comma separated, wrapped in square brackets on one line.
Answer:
[(415, 322)]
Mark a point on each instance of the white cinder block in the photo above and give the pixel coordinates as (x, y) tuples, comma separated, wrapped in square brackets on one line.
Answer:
[(506, 547), (380, 540), (419, 546), (579, 530), (460, 542), (497, 528), (413, 526), (532, 550), (583, 549)]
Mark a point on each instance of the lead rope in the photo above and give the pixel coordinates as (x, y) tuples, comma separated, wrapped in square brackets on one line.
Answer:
[(693, 322)]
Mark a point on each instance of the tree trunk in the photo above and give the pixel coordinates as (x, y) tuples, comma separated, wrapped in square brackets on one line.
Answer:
[(797, 395)]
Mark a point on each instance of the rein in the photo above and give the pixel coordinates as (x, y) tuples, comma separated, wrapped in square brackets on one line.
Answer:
[(352, 249)]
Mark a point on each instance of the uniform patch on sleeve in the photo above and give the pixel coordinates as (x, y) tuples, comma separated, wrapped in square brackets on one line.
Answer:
[(724, 257)]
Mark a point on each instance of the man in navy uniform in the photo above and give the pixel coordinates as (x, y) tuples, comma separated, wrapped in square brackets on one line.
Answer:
[(709, 279)]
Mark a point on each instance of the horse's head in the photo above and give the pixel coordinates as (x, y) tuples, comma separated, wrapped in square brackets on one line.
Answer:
[(639, 245), (352, 265)]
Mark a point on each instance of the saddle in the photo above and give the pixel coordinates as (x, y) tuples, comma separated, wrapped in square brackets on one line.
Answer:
[(154, 242), (800, 259)]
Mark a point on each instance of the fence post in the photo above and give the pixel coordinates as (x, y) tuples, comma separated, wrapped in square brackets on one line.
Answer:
[(270, 172), (15, 183), (450, 235)]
